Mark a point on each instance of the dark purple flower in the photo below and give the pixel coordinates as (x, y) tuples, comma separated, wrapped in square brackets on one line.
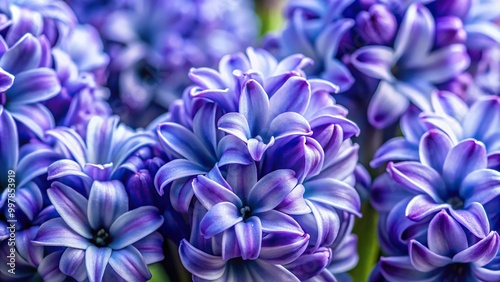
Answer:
[(377, 25), (101, 231)]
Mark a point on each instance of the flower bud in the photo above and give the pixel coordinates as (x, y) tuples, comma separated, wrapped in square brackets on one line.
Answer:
[(458, 8), (449, 30), (377, 25)]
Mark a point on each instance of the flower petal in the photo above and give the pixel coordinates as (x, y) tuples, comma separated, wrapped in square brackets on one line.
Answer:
[(466, 157), (283, 247), (107, 201), (473, 218), (445, 236), (480, 253), (249, 235), (199, 263), (480, 186), (293, 96), (100, 139), (257, 148), (271, 189), (210, 193), (374, 61), (400, 269), (49, 267), (425, 260), (289, 124), (36, 117), (72, 263), (417, 177), (34, 86), (386, 105), (275, 221), (96, 261), (72, 207), (396, 149), (334, 193), (55, 232), (150, 248), (254, 106), (129, 264), (219, 218), (134, 225), (421, 206), (235, 124), (434, 146), (415, 36), (64, 168), (174, 170), (443, 64), (6, 80), (24, 55)]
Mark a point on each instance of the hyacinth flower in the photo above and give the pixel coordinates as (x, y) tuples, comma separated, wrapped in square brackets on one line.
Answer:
[(486, 79), (315, 29), (159, 41), (102, 239), (447, 254), (409, 71), (454, 118), (105, 149)]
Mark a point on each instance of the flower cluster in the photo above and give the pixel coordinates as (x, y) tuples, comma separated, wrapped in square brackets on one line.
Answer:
[(153, 44), (392, 53), (263, 165)]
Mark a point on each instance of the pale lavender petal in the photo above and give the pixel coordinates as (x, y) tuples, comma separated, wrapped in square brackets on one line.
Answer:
[(72, 263), (64, 168), (417, 177), (293, 96), (289, 124), (72, 142), (6, 80), (207, 78), (421, 206), (256, 148), (182, 143), (434, 147), (449, 103), (219, 218), (386, 105), (334, 193), (101, 134), (199, 263), (445, 123), (49, 268), (445, 236), (374, 61), (249, 235), (443, 64), (283, 247), (485, 274), (56, 232), (232, 150), (424, 259), (263, 271), (396, 149), (173, 170), (400, 269), (473, 218), (72, 207), (235, 124), (253, 97), (294, 203), (275, 221), (230, 246), (96, 260), (466, 157), (480, 253), (24, 55), (34, 86), (150, 248), (35, 117), (129, 264), (487, 108), (107, 201), (210, 193), (134, 225), (415, 36), (480, 186), (271, 189)]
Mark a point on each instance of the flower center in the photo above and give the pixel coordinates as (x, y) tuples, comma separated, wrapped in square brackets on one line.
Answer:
[(101, 238), (456, 272), (395, 70), (245, 212), (456, 202)]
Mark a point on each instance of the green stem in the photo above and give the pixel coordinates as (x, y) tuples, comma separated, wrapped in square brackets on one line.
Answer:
[(270, 14), (368, 249)]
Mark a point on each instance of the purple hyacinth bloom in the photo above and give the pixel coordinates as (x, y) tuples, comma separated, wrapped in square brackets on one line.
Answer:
[(486, 80), (315, 29), (408, 71), (377, 25), (159, 41), (447, 255), (451, 116), (102, 239), (449, 30)]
